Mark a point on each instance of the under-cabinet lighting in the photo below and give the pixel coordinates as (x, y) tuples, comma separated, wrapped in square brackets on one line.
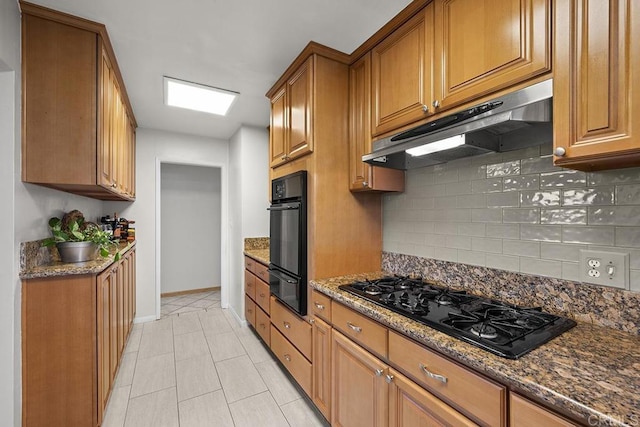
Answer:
[(434, 147), (194, 96)]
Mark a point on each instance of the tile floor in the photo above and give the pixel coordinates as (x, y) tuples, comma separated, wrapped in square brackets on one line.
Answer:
[(198, 367)]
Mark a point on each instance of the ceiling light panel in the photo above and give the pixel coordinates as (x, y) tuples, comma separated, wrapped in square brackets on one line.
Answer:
[(194, 96)]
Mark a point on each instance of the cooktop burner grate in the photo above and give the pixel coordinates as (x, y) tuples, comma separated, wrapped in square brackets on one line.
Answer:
[(503, 329)]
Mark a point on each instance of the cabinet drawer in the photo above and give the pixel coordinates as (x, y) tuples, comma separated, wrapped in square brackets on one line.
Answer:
[(249, 264), (249, 284), (261, 271), (250, 310), (360, 329), (263, 325), (524, 413), (292, 359), (297, 330), (263, 295), (321, 305), (473, 394)]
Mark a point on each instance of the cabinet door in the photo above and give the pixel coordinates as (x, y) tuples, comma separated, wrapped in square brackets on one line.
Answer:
[(126, 277), (401, 72), (524, 413), (359, 394), (596, 105), (132, 287), (113, 323), (487, 45), (104, 340), (321, 358), (120, 308), (300, 102), (278, 128), (364, 177), (105, 140), (411, 405)]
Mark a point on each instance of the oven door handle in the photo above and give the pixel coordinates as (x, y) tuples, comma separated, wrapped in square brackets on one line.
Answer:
[(280, 276), (283, 208)]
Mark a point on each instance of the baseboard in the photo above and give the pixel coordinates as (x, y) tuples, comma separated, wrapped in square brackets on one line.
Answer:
[(189, 291), (241, 321), (144, 319)]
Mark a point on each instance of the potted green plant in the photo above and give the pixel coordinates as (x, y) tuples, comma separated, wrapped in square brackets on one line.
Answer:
[(78, 240)]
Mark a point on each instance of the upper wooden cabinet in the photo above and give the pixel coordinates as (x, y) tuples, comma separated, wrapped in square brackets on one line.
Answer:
[(78, 129), (454, 52), (401, 72), (291, 118), (596, 105), (486, 45), (364, 177)]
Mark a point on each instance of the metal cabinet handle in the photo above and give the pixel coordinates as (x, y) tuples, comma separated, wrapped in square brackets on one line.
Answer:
[(425, 108), (287, 357), (287, 325), (436, 104), (389, 378), (319, 306), (262, 325), (379, 372), (262, 295), (430, 374), (560, 151), (365, 184), (354, 327), (283, 158)]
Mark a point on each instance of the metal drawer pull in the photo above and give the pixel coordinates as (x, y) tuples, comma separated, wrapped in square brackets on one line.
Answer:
[(430, 374), (379, 372), (262, 295), (287, 358), (354, 327), (319, 306), (389, 378), (287, 325)]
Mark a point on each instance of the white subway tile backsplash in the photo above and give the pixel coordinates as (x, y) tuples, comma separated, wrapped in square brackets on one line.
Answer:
[(510, 199), (521, 248), (541, 267), (563, 216), (521, 216), (561, 251), (588, 235), (564, 178), (503, 169), (503, 262), (487, 185), (615, 215), (515, 211), (543, 233), (588, 196), (521, 182), (540, 198), (628, 194)]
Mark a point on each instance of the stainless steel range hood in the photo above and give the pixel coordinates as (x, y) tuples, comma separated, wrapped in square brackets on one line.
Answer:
[(517, 120)]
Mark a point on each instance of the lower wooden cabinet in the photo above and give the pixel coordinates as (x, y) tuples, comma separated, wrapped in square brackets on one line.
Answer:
[(263, 325), (70, 346), (250, 310), (359, 391), (292, 359), (525, 413), (321, 359)]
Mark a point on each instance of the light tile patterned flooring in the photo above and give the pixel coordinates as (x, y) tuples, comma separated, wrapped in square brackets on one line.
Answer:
[(197, 367)]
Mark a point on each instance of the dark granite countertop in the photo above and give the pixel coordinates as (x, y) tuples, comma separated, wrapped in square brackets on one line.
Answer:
[(590, 372), (51, 268)]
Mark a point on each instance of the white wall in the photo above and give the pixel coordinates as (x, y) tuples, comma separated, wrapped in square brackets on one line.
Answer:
[(249, 189), (190, 229), (152, 148)]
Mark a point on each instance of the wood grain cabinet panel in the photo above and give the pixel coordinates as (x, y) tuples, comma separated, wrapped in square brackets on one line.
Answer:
[(360, 328), (595, 101), (294, 328), (359, 392), (263, 295), (320, 305), (250, 284), (364, 177), (250, 310), (321, 359), (401, 72), (295, 362), (486, 45), (525, 413), (77, 125), (263, 325)]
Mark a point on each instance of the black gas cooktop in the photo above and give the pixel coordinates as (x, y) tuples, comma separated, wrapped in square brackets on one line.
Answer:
[(503, 329)]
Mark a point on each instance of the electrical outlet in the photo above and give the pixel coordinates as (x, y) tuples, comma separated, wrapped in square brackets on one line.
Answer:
[(605, 268)]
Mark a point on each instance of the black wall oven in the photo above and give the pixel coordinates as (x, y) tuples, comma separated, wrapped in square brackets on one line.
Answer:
[(288, 240)]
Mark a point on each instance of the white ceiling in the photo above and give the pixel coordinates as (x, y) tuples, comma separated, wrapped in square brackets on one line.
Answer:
[(240, 45)]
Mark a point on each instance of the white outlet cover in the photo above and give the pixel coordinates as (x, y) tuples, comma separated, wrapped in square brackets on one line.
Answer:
[(618, 260)]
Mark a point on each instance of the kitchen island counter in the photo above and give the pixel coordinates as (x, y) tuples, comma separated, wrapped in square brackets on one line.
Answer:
[(589, 372)]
